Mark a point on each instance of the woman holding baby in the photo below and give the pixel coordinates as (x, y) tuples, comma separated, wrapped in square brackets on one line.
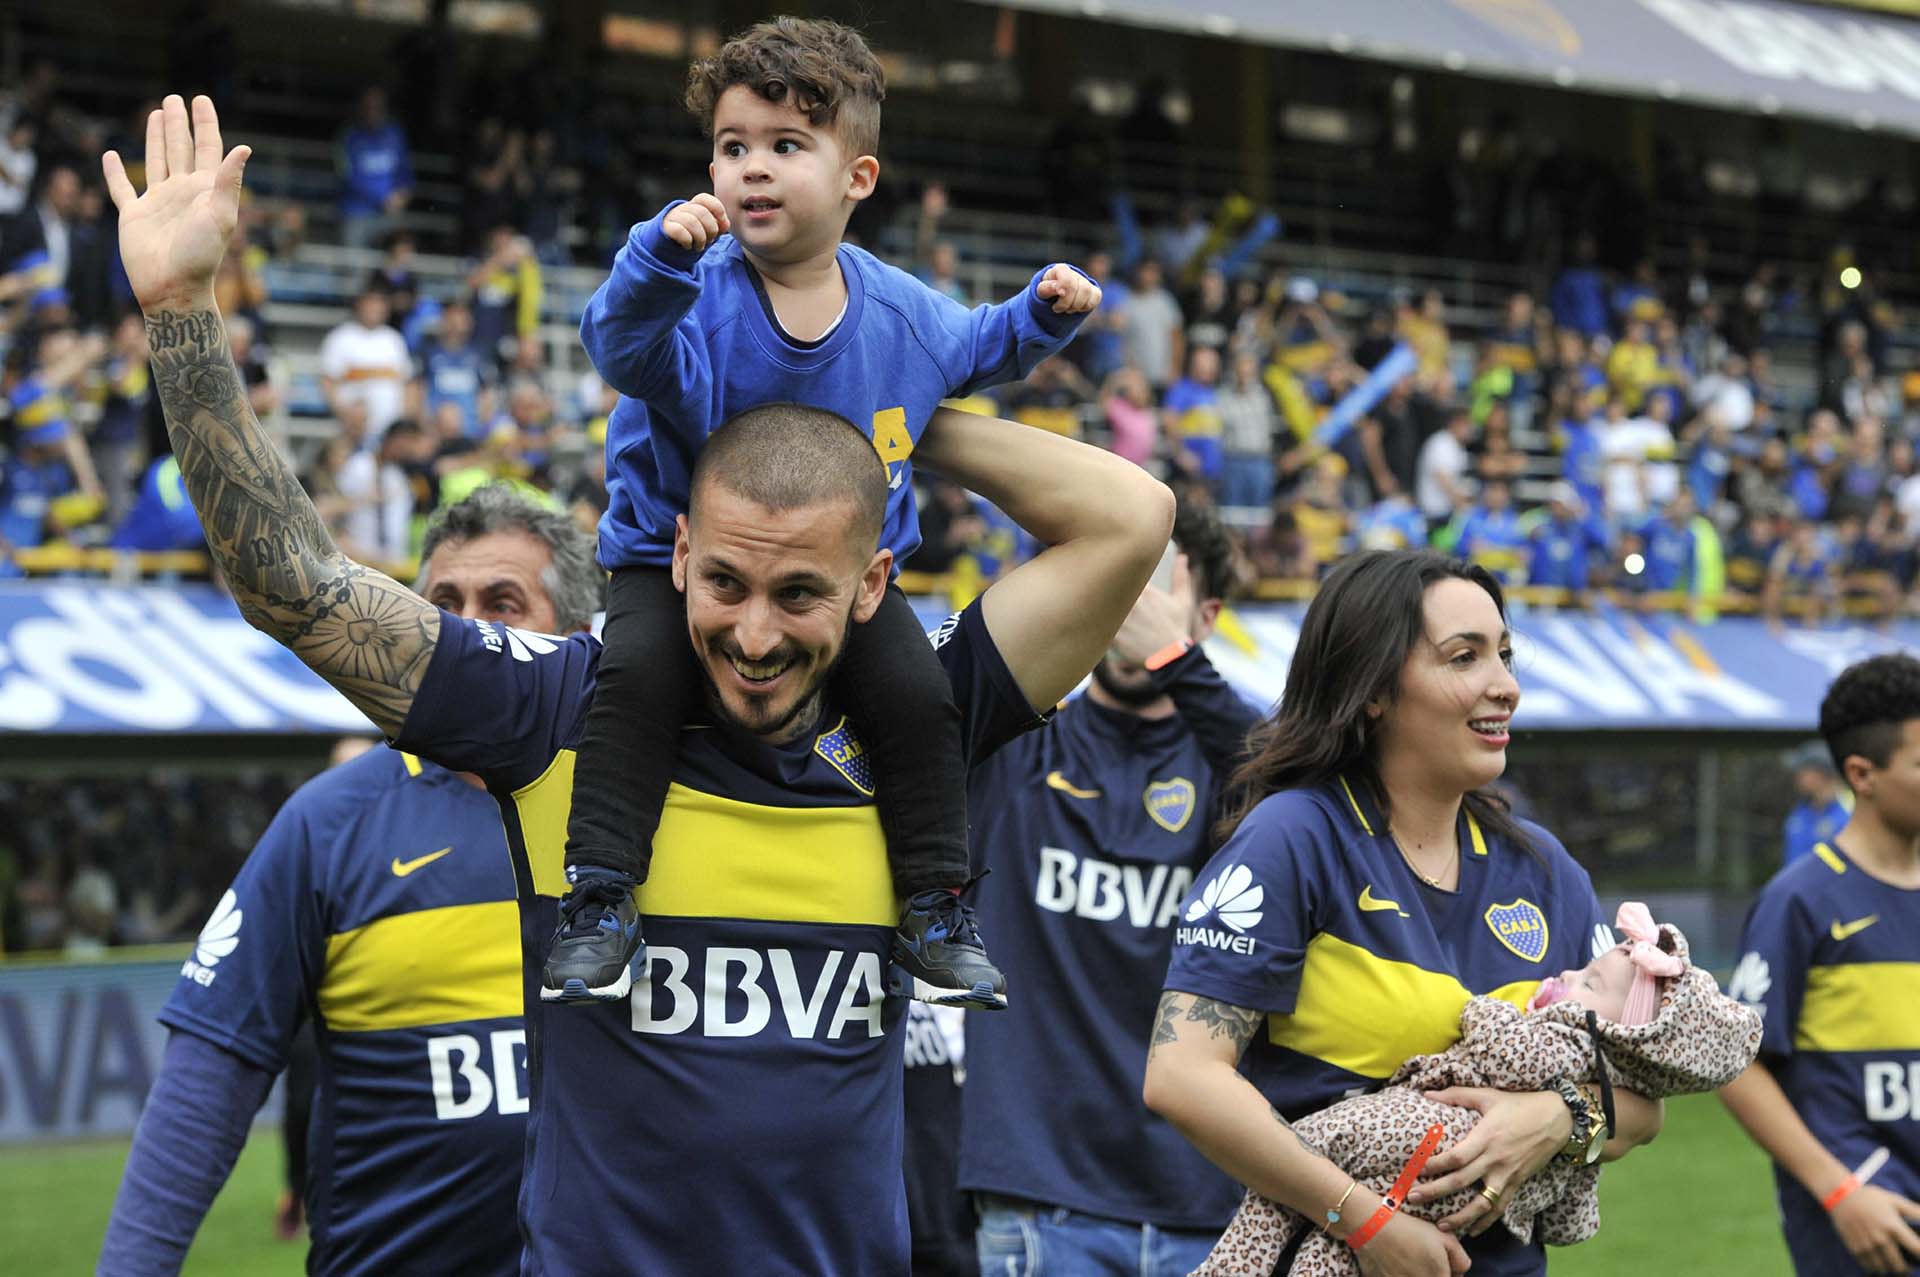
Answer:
[(1369, 886)]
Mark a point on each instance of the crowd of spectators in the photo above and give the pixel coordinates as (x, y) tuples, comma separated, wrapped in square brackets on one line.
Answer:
[(1615, 430), (430, 389), (90, 862), (1622, 432)]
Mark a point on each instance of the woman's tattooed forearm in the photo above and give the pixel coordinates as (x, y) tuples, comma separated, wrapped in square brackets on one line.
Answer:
[(362, 631)]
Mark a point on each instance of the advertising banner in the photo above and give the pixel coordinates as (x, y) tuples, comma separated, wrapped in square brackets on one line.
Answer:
[(91, 658)]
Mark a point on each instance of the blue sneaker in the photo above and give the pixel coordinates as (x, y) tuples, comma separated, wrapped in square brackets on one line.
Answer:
[(597, 943), (938, 956)]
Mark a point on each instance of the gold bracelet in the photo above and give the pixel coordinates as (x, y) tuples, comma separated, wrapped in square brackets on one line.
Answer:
[(1333, 1215)]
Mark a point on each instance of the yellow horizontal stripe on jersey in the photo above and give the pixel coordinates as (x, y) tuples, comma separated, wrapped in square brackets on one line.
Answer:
[(1369, 1015), (1860, 1006), (433, 966), (722, 858)]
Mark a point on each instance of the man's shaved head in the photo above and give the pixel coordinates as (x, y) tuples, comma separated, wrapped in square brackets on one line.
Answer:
[(788, 456)]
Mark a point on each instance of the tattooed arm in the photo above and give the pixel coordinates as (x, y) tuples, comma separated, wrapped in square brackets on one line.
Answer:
[(363, 632), (1194, 1081)]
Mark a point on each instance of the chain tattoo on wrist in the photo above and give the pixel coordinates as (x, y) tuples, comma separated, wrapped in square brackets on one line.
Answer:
[(362, 631)]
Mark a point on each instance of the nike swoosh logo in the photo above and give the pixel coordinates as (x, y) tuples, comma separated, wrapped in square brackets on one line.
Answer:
[(1371, 903), (1842, 931), (401, 868), (1056, 781)]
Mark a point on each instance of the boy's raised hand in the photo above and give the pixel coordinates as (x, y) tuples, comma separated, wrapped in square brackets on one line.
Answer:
[(1070, 292), (697, 223)]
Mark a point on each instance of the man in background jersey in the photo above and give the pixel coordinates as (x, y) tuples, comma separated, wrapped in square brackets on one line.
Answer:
[(380, 904), (1832, 960), (1094, 829), (1825, 804), (742, 1111)]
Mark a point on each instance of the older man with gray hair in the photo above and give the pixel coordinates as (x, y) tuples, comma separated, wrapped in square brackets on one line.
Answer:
[(379, 904)]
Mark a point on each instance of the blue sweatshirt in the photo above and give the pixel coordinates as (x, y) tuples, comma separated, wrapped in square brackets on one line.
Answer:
[(689, 340)]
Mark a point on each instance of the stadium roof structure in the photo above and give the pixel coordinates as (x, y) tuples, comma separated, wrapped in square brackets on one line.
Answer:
[(1768, 56)]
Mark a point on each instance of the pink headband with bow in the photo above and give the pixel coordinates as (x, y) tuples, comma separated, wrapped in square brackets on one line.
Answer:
[(1651, 963)]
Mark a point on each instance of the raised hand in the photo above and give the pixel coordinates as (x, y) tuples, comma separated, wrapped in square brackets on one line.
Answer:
[(696, 223), (1070, 292), (173, 236)]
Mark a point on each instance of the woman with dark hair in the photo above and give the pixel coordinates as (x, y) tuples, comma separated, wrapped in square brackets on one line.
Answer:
[(1369, 885)]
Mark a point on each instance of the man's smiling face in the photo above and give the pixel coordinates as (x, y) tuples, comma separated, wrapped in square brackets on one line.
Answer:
[(770, 599)]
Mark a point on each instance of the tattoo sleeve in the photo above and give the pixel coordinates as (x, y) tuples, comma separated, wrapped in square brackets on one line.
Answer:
[(362, 631)]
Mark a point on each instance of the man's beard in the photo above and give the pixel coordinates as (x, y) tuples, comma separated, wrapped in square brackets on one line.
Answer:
[(806, 706), (1133, 694)]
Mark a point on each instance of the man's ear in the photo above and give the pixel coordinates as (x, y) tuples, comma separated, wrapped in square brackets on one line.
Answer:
[(862, 176), (1207, 617), (682, 547), (1858, 773), (873, 585)]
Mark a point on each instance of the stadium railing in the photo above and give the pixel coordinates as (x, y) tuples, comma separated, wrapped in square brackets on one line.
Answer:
[(127, 567)]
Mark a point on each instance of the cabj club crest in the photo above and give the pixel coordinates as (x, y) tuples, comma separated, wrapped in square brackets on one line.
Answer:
[(1521, 926), (1170, 803)]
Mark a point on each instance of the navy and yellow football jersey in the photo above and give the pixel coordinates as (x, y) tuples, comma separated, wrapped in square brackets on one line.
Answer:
[(380, 902), (1311, 914), (1832, 961), (742, 1110), (1094, 829)]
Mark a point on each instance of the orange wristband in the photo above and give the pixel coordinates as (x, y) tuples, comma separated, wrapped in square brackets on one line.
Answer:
[(1398, 1193), (1840, 1192), (1169, 654)]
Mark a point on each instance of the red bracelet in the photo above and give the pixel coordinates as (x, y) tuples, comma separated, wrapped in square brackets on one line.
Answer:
[(1840, 1192), (1398, 1193)]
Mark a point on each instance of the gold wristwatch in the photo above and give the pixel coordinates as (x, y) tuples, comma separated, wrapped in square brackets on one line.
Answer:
[(1589, 1133)]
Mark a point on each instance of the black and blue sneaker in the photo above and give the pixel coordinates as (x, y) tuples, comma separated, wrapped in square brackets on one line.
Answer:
[(938, 956), (597, 944)]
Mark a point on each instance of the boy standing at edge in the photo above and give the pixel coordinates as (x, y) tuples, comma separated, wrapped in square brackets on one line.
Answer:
[(744, 297), (1832, 959)]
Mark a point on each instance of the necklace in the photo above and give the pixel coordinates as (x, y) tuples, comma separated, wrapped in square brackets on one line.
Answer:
[(1407, 856)]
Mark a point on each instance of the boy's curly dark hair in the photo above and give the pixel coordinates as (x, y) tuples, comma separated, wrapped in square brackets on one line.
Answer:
[(1865, 709), (825, 69)]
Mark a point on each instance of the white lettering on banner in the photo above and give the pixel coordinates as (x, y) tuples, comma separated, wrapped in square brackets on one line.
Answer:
[(59, 651), (1783, 44), (226, 699), (25, 706), (1675, 683), (238, 651), (1892, 1090), (1578, 669), (861, 996), (500, 1090), (1834, 650), (1100, 891), (149, 660)]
